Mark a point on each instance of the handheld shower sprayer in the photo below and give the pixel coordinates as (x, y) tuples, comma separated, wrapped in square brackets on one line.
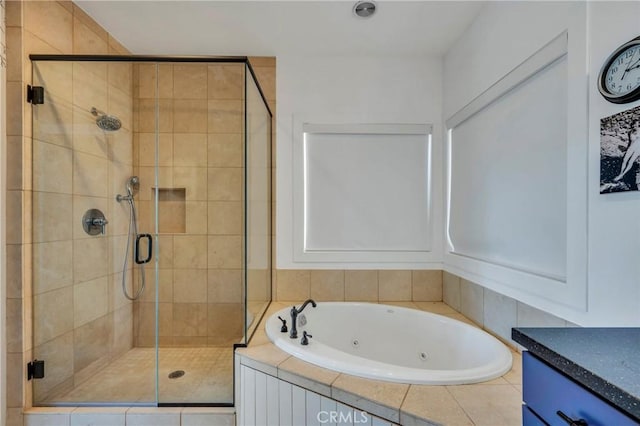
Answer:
[(132, 185)]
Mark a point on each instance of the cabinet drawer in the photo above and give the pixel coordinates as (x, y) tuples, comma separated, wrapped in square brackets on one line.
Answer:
[(530, 419), (545, 391)]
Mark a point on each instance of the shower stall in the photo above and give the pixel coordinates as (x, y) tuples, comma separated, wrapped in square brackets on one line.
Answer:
[(151, 226)]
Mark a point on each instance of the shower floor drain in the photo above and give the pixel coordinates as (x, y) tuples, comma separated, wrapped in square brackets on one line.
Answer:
[(176, 374)]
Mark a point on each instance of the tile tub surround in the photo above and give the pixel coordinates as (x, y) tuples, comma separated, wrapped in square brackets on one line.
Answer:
[(494, 402), (358, 285), (494, 312)]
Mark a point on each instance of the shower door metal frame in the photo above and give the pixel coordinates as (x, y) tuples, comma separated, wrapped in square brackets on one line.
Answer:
[(194, 59)]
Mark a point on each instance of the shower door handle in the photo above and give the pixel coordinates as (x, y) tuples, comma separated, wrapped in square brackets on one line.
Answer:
[(149, 246)]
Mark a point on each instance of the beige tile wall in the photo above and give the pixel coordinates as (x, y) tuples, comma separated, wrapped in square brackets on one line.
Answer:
[(78, 305), (494, 312), (200, 150), (201, 157), (80, 163), (358, 285), (57, 185)]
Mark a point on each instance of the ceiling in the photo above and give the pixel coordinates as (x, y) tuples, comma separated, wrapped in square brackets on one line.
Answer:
[(274, 28)]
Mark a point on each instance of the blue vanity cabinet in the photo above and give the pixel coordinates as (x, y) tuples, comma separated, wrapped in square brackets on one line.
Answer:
[(529, 418), (546, 392)]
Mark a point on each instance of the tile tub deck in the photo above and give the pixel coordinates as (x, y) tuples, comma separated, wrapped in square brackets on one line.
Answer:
[(496, 402)]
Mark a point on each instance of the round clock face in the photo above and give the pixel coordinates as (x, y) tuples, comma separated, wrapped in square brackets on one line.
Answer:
[(620, 77)]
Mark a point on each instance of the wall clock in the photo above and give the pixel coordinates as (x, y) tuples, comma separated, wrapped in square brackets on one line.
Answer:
[(619, 79)]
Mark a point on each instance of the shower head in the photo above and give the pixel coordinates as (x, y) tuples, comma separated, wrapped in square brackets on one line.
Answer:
[(108, 123), (133, 183)]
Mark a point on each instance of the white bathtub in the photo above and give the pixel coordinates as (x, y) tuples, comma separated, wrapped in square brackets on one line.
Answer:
[(395, 344)]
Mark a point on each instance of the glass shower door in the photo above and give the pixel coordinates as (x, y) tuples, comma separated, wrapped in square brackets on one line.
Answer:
[(258, 205), (151, 214), (82, 158), (200, 228)]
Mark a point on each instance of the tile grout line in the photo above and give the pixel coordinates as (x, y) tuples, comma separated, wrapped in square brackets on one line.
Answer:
[(404, 398), (460, 405)]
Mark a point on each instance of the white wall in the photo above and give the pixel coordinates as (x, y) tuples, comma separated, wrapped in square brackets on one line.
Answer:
[(353, 90), (504, 35), (614, 219), (409, 90)]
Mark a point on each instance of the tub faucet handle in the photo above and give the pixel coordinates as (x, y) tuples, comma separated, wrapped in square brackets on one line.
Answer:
[(305, 338), (284, 328)]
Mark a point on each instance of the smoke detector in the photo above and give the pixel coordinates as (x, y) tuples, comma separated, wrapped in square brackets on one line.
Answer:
[(364, 8)]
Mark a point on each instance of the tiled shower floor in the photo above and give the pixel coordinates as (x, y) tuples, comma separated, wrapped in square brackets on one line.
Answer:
[(131, 378)]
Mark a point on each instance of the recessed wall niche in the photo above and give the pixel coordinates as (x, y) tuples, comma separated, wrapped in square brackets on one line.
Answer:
[(171, 210)]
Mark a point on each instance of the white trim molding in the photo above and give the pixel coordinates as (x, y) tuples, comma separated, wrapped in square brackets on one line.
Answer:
[(565, 291), (334, 210)]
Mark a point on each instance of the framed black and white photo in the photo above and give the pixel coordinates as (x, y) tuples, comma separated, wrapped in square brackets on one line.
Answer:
[(620, 152)]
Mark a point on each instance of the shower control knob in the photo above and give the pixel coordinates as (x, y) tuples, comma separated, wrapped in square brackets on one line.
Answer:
[(99, 221), (94, 222)]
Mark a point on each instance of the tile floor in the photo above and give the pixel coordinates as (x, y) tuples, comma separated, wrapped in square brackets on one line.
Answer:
[(131, 378)]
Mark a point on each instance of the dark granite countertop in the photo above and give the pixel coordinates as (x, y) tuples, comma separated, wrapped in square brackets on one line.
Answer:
[(603, 360)]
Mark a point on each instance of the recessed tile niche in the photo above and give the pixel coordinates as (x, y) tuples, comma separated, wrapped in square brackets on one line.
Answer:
[(172, 210)]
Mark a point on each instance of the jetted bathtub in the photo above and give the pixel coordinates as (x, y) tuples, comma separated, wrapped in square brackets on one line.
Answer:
[(391, 343)]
